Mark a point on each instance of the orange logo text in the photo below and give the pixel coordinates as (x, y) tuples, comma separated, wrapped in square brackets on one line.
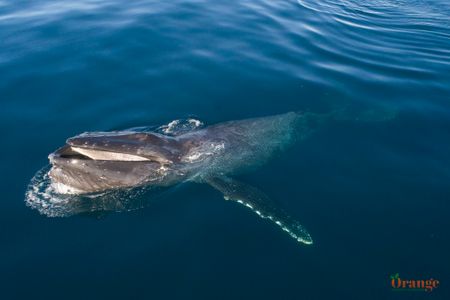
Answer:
[(422, 285)]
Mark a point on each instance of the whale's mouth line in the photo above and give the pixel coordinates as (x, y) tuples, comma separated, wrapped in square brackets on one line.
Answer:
[(69, 153), (108, 155)]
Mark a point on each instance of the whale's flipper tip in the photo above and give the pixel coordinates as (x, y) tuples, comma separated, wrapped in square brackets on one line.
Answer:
[(261, 204)]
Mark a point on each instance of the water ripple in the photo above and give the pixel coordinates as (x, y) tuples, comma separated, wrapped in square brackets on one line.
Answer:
[(378, 51)]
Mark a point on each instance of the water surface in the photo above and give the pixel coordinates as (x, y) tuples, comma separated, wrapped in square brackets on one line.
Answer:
[(374, 195)]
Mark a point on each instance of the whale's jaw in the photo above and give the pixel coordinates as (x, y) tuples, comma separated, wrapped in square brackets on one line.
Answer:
[(92, 163)]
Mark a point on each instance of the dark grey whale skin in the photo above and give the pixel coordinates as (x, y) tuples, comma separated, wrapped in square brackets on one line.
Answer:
[(114, 161), (219, 149)]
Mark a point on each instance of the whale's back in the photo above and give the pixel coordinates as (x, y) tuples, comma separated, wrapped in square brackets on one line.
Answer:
[(239, 145)]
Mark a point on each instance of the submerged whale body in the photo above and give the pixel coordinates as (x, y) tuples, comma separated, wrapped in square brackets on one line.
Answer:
[(91, 170)]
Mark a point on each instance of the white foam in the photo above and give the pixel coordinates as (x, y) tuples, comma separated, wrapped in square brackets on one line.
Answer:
[(169, 128), (61, 188), (181, 126)]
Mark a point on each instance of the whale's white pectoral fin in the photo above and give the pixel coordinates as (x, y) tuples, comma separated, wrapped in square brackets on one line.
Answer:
[(260, 204)]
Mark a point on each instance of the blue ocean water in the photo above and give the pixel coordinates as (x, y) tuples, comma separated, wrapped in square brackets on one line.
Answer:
[(374, 195)]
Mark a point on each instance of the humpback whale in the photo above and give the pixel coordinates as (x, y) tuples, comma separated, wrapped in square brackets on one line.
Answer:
[(94, 164)]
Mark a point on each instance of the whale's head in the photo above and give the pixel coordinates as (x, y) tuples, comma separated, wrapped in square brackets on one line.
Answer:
[(94, 162)]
